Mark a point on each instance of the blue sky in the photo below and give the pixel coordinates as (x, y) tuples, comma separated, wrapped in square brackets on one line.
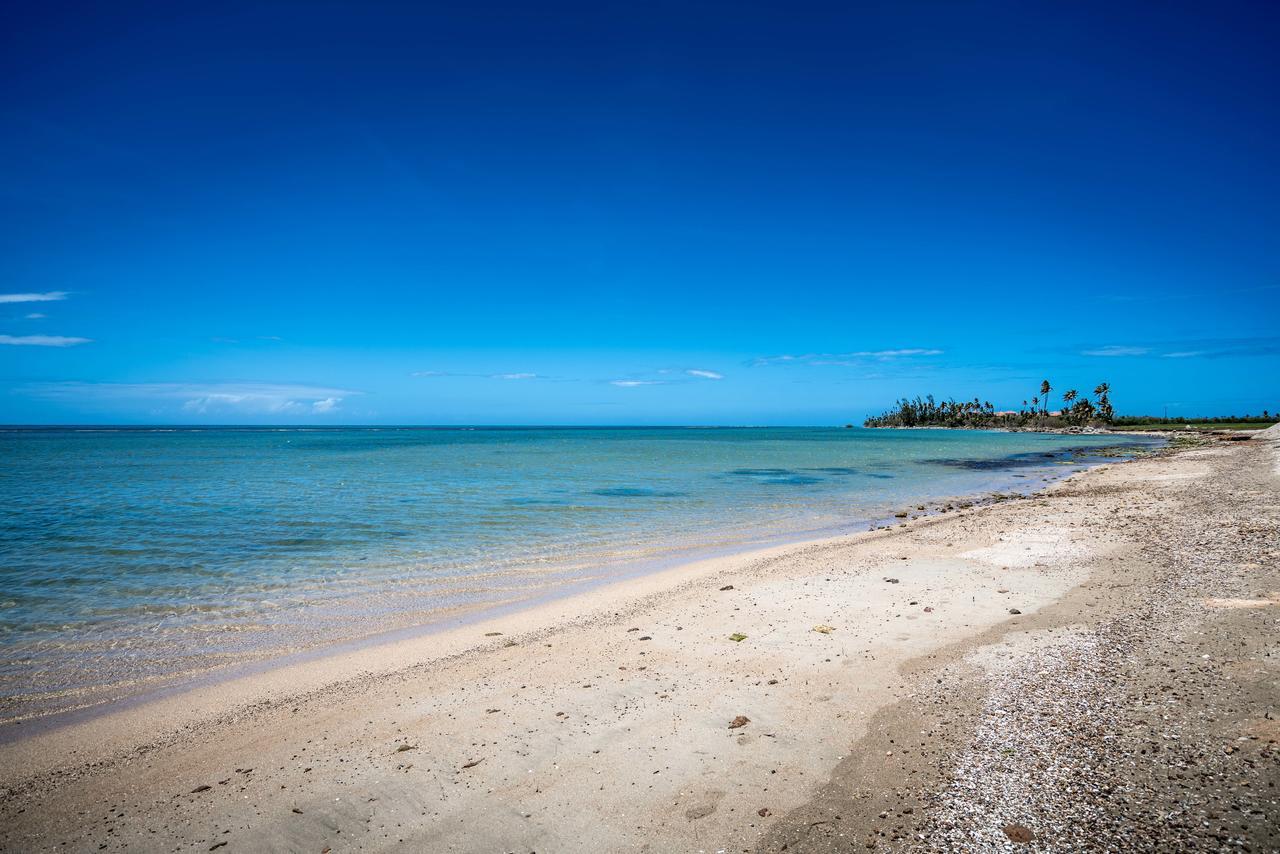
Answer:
[(663, 213)]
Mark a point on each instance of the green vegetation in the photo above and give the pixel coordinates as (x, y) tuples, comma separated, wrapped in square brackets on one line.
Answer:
[(1035, 414), (1201, 424)]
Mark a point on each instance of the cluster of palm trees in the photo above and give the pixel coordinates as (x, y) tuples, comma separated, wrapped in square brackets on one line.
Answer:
[(926, 412)]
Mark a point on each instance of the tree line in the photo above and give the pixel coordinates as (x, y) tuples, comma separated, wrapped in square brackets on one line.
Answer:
[(1076, 410)]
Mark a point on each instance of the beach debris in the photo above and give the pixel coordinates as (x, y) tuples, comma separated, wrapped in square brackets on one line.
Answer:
[(473, 763), (1014, 611), (928, 609), (1003, 590), (402, 748), (298, 811), (491, 711), (739, 722), (823, 629), (215, 846), (644, 637), (762, 812), (891, 581), (492, 634), (773, 681), (726, 587), (200, 788), (737, 637), (1018, 833), (901, 515)]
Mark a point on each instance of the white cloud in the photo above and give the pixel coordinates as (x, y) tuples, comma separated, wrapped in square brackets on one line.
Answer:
[(35, 315), (1184, 354), (204, 398), (42, 340), (634, 383), (706, 375), (1117, 350), (428, 374), (893, 354), (49, 296), (852, 359), (515, 376)]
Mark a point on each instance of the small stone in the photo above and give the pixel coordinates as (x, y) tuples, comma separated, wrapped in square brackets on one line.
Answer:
[(1019, 834)]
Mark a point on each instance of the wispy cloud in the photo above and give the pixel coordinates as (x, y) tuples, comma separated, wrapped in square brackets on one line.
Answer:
[(515, 375), (706, 375), (1112, 350), (42, 340), (1205, 348), (895, 354), (1224, 348), (35, 315), (634, 383), (203, 398), (48, 296), (854, 358)]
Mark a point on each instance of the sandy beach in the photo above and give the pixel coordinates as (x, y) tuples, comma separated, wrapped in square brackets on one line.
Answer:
[(1091, 667)]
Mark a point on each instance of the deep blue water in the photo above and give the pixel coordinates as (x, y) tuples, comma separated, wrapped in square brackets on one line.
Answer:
[(133, 554)]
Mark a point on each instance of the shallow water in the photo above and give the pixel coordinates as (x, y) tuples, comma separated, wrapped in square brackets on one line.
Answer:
[(132, 554)]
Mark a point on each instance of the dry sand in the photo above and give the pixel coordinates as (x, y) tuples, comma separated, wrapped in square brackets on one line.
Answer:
[(1094, 667)]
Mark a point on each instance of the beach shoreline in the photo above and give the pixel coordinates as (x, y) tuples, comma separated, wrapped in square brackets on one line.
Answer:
[(494, 735), (37, 710)]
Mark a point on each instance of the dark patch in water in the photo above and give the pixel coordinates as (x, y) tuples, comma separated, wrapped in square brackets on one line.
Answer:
[(788, 477), (833, 470), (1013, 461), (881, 476), (634, 492), (535, 501)]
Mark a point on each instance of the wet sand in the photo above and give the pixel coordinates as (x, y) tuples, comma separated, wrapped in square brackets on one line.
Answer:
[(1094, 667)]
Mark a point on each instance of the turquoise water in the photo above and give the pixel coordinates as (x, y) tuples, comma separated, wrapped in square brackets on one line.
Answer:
[(133, 556)]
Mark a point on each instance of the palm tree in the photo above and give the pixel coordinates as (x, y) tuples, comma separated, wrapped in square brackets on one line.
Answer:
[(1045, 388), (1104, 401), (1083, 411)]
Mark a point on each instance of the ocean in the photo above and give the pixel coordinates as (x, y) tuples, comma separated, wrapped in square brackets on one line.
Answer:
[(135, 558)]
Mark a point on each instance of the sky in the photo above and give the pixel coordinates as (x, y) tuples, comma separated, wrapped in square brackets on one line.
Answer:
[(659, 213)]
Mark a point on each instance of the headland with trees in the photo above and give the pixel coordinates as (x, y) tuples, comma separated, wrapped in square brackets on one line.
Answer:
[(1038, 413)]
